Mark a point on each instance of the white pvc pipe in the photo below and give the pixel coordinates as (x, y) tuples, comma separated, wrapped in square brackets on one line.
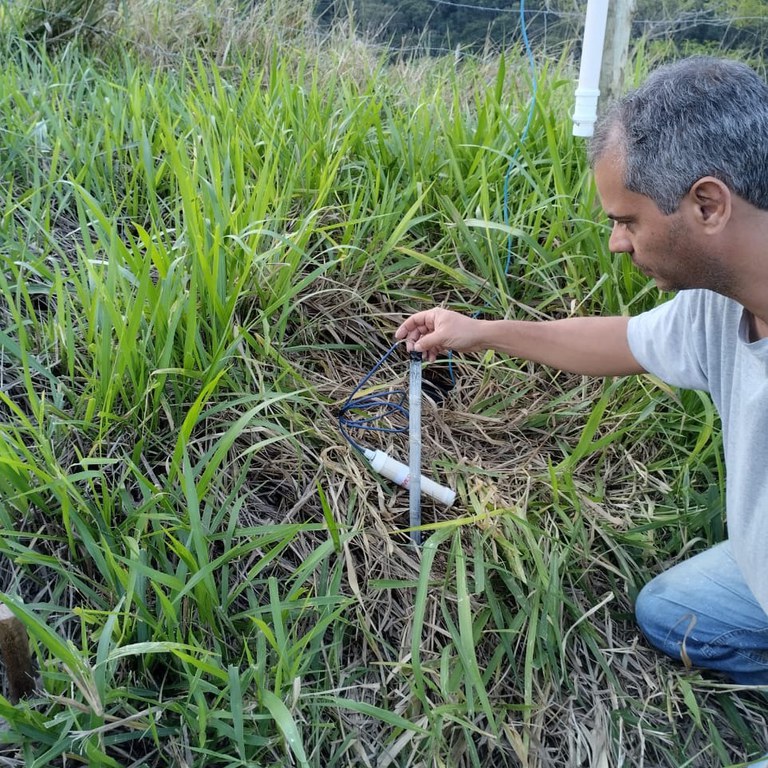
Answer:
[(588, 90), (400, 473), (414, 435)]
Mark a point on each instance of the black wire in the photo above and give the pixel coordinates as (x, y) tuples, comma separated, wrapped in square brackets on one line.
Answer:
[(379, 405)]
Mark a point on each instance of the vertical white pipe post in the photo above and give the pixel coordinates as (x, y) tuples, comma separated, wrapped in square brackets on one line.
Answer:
[(588, 90), (414, 435)]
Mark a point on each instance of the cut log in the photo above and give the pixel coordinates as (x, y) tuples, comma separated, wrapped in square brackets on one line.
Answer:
[(14, 650)]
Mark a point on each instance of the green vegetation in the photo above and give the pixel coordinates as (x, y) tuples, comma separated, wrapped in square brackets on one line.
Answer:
[(198, 263)]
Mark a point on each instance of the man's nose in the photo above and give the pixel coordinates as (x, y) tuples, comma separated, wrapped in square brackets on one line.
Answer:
[(619, 241)]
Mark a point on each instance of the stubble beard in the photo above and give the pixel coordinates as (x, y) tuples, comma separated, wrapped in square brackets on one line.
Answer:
[(696, 266)]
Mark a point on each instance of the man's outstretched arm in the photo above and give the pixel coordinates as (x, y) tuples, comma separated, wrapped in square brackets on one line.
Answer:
[(594, 346)]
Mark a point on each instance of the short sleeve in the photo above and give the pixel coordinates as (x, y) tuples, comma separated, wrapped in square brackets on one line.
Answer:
[(670, 341)]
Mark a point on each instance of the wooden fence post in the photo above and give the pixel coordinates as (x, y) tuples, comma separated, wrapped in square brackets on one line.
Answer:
[(616, 48), (14, 650)]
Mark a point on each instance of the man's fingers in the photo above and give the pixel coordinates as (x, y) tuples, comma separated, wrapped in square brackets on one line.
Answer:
[(420, 333)]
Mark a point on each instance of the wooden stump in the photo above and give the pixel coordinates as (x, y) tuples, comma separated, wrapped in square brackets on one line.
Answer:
[(14, 650)]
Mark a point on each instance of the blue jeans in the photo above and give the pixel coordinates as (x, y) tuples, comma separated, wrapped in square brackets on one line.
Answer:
[(702, 613)]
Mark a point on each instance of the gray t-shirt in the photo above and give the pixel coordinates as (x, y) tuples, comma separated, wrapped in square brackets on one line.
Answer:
[(700, 340)]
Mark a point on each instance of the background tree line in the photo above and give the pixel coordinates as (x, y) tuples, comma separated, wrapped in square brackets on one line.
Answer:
[(440, 25)]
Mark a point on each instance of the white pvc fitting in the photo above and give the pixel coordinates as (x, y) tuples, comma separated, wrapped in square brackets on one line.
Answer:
[(585, 111), (399, 473), (588, 90)]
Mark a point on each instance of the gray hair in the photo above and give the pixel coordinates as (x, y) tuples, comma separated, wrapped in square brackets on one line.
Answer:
[(698, 117)]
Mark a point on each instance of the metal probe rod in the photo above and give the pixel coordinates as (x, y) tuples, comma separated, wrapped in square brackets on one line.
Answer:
[(414, 441)]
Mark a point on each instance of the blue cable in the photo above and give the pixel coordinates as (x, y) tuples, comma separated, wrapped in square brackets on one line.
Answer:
[(523, 135), (511, 166), (391, 402)]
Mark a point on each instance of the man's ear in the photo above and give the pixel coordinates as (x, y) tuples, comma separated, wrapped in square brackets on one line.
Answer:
[(711, 203)]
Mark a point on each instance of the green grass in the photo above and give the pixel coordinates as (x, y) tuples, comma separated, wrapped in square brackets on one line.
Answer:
[(199, 262)]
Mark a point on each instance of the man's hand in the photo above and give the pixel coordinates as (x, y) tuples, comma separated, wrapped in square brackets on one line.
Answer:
[(437, 330)]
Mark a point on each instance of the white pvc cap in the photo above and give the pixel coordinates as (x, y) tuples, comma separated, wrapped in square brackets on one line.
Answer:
[(399, 473)]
